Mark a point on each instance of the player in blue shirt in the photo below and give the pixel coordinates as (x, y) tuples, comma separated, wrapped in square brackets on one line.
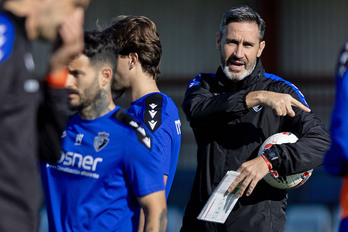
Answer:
[(107, 168), (336, 158), (138, 69)]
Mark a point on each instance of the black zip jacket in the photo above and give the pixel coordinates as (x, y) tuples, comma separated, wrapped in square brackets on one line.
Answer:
[(228, 134), (32, 117)]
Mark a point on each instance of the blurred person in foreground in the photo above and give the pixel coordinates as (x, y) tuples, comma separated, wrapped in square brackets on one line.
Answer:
[(336, 158), (107, 168), (232, 113), (32, 112), (137, 73)]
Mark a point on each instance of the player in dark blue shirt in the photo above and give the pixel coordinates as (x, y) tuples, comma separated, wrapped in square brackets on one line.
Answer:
[(108, 168)]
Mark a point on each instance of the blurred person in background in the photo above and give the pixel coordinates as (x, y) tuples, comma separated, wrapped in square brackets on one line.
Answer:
[(336, 158), (232, 113), (108, 167), (30, 123)]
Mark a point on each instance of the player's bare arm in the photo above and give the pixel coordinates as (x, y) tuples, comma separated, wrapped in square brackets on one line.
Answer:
[(142, 216), (251, 172), (280, 103), (155, 209)]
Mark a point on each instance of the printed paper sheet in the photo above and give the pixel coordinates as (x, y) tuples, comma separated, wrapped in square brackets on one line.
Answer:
[(221, 202)]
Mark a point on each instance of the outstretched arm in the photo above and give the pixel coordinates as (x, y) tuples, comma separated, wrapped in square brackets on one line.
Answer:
[(280, 103), (155, 210)]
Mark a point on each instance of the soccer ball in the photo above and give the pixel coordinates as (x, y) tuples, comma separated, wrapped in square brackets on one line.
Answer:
[(273, 178)]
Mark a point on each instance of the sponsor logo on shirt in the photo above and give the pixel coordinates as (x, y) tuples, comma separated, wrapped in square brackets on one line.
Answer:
[(78, 164)]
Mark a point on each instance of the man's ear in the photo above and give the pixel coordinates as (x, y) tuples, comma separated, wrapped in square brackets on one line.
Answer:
[(262, 46), (106, 75), (133, 59), (218, 41)]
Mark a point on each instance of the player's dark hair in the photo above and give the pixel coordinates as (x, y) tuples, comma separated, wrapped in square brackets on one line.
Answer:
[(138, 34), (243, 14), (100, 49)]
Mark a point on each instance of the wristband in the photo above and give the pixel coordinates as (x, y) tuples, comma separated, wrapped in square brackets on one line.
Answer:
[(57, 80), (267, 162)]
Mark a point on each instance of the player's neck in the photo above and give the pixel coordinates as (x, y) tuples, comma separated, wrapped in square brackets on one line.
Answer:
[(142, 86), (97, 109)]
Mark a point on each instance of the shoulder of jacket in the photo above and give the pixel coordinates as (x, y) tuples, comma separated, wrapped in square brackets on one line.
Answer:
[(285, 86), (202, 77), (143, 137)]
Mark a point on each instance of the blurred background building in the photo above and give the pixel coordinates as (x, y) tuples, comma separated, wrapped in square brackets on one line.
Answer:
[(303, 39)]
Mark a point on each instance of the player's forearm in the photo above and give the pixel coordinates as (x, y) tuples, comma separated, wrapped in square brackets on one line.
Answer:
[(156, 221)]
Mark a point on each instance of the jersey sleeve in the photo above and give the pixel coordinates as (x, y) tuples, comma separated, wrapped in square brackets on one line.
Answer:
[(142, 168), (164, 140), (336, 158), (202, 106)]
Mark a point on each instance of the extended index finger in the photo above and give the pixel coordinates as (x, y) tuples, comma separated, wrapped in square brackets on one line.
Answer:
[(300, 105)]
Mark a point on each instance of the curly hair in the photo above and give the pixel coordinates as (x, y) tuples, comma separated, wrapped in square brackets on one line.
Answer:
[(100, 49), (138, 34)]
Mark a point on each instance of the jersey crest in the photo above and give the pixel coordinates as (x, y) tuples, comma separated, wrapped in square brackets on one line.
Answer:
[(101, 141), (153, 111), (143, 136)]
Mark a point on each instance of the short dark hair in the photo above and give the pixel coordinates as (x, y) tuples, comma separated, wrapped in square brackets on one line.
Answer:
[(138, 34), (243, 14), (100, 49)]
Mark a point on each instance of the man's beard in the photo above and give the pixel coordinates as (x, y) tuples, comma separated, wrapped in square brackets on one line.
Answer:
[(232, 77), (85, 101)]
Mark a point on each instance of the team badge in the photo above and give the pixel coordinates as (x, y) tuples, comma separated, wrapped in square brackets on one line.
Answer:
[(101, 141), (257, 108)]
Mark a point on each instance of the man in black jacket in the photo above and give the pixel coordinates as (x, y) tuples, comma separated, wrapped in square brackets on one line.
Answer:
[(30, 126), (231, 113)]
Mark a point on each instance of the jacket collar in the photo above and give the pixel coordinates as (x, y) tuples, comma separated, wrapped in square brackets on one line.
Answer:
[(227, 85)]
